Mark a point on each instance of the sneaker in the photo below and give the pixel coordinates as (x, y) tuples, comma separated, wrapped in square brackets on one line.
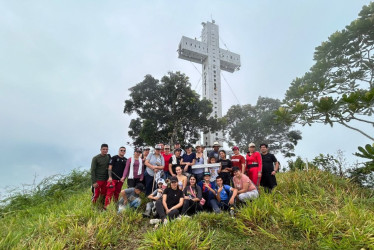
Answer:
[(232, 212), (186, 216), (120, 208), (179, 217), (166, 221), (154, 221)]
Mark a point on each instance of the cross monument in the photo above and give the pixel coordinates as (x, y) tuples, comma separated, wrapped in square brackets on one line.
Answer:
[(213, 59)]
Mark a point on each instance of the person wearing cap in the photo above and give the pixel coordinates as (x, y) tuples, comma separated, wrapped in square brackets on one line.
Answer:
[(225, 168), (215, 152), (199, 160), (208, 192), (171, 202), (130, 197), (175, 161), (115, 172), (99, 173), (134, 170), (188, 160), (237, 160), (177, 145), (270, 167), (155, 163), (192, 196), (167, 155), (254, 164), (145, 153), (157, 194), (246, 189)]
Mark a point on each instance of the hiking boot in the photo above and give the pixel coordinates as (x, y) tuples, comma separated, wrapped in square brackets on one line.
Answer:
[(154, 221), (147, 214)]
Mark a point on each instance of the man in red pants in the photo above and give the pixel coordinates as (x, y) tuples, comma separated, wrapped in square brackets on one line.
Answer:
[(99, 172), (117, 165), (253, 164)]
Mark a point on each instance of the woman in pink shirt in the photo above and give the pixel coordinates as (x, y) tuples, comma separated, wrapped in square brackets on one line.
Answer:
[(134, 170), (253, 164)]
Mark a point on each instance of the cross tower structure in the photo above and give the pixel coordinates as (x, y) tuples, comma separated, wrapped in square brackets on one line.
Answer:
[(213, 59)]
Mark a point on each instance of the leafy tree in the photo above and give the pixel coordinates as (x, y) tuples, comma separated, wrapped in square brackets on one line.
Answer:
[(339, 88), (364, 175), (168, 111), (297, 164), (333, 164), (258, 124)]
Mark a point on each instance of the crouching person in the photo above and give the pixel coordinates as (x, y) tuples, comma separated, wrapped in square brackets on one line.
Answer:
[(192, 196), (130, 197), (155, 196), (172, 200), (246, 189), (225, 198), (209, 194)]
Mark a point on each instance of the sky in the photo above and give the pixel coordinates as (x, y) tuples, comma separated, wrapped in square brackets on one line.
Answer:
[(66, 67)]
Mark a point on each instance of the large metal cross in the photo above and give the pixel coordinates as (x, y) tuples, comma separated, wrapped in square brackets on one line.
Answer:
[(213, 59)]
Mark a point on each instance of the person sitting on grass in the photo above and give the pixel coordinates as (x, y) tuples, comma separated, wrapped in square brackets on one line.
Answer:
[(171, 202), (225, 194), (130, 197), (182, 179), (156, 195), (246, 189), (192, 196), (208, 192)]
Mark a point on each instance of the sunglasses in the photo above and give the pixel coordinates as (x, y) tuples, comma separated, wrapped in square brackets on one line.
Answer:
[(122, 150)]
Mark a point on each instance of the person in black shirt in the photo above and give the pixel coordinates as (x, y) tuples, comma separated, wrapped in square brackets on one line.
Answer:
[(172, 200), (115, 171), (225, 168), (268, 180), (175, 161)]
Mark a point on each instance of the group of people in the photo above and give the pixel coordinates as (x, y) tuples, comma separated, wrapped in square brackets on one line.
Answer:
[(175, 184)]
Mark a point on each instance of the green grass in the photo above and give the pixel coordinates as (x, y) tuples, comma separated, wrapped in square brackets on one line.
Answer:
[(313, 210)]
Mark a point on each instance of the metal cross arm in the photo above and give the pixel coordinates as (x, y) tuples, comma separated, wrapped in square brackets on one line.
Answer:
[(206, 166), (192, 50)]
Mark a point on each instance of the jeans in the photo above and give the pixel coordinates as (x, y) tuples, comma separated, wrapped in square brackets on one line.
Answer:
[(148, 184), (131, 183), (132, 204), (161, 211), (191, 206), (218, 206)]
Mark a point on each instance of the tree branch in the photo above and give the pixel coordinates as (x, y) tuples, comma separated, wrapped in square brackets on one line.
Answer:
[(358, 130)]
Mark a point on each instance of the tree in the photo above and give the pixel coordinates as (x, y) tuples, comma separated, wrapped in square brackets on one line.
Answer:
[(339, 87), (258, 124), (168, 111), (364, 175), (298, 164), (333, 164)]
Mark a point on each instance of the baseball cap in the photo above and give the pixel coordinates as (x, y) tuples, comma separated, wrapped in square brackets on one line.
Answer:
[(235, 169), (174, 179), (161, 181), (235, 148), (158, 146), (251, 145), (138, 150), (206, 173), (178, 149)]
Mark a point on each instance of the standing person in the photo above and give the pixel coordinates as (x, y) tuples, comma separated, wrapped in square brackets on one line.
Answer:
[(246, 189), (115, 172), (208, 192), (155, 163), (215, 152), (162, 148), (199, 160), (182, 179), (99, 172), (268, 180), (172, 201), (188, 159), (175, 161), (145, 153), (192, 196), (225, 195), (213, 170), (130, 197), (167, 155), (237, 160), (254, 164), (177, 145), (225, 168), (134, 169)]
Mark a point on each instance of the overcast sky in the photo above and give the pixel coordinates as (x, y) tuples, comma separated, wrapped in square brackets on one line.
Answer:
[(66, 67)]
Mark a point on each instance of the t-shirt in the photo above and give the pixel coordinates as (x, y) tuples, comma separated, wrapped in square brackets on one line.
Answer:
[(189, 158), (224, 194), (213, 173), (99, 168), (155, 160), (157, 194), (196, 190), (173, 196), (173, 166), (268, 161), (130, 194), (118, 165), (225, 163), (237, 161), (166, 160), (199, 161), (239, 183), (214, 154), (207, 194)]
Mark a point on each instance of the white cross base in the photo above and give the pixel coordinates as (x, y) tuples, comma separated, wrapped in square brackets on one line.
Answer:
[(206, 166)]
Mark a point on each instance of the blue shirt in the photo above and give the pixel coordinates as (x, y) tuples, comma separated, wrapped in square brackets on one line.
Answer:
[(207, 194), (225, 193), (189, 158)]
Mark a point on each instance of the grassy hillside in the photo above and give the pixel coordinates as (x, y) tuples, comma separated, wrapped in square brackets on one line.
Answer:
[(311, 210)]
